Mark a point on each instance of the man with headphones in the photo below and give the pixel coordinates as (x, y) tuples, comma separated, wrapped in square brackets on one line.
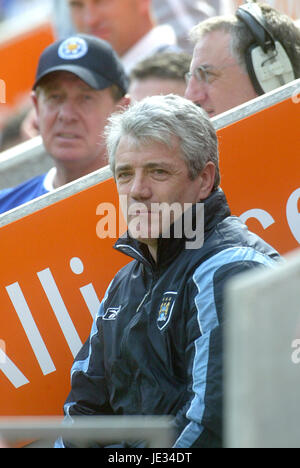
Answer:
[(239, 57)]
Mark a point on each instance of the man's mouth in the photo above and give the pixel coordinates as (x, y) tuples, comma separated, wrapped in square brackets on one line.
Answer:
[(210, 112), (67, 135), (101, 32)]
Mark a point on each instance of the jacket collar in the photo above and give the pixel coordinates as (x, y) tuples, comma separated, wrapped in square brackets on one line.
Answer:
[(215, 210)]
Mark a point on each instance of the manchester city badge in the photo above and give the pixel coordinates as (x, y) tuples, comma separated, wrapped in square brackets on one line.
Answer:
[(165, 309)]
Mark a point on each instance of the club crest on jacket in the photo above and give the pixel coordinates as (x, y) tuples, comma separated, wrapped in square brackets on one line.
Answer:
[(165, 309)]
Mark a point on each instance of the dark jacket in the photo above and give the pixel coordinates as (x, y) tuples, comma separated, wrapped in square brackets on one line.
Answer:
[(156, 344)]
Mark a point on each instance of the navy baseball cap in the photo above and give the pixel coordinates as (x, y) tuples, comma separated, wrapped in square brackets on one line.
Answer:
[(93, 60)]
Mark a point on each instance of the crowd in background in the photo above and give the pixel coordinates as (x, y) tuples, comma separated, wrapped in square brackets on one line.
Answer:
[(180, 15)]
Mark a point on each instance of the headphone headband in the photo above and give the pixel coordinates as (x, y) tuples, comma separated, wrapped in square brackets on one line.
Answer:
[(252, 16)]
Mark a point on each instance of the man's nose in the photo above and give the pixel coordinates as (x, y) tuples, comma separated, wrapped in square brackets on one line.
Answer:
[(91, 18), (67, 110), (196, 91), (140, 188)]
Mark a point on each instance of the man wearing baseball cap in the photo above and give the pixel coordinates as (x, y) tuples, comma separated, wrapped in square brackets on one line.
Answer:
[(79, 83)]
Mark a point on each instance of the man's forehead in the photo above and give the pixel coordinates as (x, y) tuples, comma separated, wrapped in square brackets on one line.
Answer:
[(129, 142), (212, 49), (147, 153)]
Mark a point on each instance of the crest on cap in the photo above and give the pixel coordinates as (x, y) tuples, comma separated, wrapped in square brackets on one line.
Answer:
[(73, 48)]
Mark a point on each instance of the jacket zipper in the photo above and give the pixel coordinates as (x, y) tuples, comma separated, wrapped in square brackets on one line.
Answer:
[(134, 320)]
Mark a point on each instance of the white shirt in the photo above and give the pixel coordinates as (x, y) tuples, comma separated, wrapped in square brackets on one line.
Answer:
[(158, 38), (49, 179), (183, 15)]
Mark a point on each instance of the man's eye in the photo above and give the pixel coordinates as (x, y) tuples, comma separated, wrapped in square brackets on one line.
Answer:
[(159, 172), (210, 76), (53, 97), (205, 75), (75, 4), (123, 175)]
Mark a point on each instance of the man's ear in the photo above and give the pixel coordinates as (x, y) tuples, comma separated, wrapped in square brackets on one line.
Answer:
[(124, 102), (30, 124), (207, 180), (34, 100)]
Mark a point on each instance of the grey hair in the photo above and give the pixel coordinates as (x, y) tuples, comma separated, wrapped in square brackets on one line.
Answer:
[(159, 119), (280, 25)]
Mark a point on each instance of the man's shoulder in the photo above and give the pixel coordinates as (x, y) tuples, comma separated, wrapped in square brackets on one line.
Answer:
[(236, 234), (12, 197), (233, 245)]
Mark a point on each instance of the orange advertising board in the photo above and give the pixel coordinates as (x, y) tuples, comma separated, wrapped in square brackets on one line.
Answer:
[(260, 172), (54, 272), (19, 58), (55, 268)]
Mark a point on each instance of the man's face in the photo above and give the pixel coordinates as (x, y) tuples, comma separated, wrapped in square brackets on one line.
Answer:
[(228, 84), (147, 176), (141, 88), (71, 118), (116, 21)]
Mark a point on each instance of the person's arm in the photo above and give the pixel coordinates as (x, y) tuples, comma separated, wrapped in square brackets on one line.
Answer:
[(88, 395), (199, 421)]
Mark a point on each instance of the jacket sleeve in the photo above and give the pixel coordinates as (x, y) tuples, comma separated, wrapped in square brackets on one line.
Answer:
[(88, 395), (199, 421)]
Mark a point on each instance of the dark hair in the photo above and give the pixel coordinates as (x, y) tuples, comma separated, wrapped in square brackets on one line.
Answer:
[(167, 65)]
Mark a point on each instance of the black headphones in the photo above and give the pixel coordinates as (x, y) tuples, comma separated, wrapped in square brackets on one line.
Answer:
[(268, 64)]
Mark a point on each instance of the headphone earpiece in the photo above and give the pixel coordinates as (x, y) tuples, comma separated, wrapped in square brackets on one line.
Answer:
[(268, 64)]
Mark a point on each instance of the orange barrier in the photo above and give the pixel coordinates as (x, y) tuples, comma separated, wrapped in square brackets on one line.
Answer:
[(260, 170), (55, 269), (19, 58)]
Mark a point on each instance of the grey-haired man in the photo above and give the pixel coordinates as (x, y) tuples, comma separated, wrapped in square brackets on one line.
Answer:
[(156, 343)]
